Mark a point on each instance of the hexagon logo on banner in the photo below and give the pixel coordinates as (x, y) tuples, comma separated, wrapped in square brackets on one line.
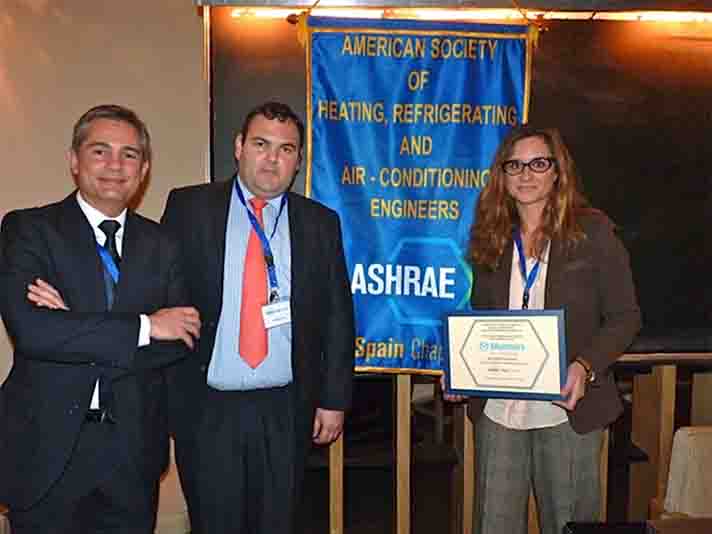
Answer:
[(447, 274)]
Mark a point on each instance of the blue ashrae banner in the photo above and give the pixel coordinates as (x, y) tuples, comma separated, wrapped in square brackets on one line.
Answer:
[(404, 118)]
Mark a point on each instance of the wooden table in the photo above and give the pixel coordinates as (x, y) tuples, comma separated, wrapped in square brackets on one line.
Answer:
[(682, 526)]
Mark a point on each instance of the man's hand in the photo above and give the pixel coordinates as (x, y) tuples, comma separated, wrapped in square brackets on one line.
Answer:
[(167, 324), (43, 295), (170, 324), (328, 425), (575, 387)]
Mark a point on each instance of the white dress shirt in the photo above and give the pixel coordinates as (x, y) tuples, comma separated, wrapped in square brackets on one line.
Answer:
[(523, 414), (95, 218)]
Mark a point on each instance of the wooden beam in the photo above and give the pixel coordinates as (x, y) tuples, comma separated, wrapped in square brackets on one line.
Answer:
[(652, 430), (666, 376), (403, 453), (336, 486), (701, 399)]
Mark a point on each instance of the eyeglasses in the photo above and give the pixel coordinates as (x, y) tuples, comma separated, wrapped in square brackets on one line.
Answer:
[(514, 167)]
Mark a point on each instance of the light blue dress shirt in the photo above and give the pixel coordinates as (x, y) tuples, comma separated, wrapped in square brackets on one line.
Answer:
[(227, 370)]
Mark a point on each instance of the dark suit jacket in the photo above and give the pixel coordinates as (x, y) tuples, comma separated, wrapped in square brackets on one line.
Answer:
[(60, 354), (321, 304), (594, 285)]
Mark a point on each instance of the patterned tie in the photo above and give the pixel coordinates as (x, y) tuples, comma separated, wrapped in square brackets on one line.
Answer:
[(253, 334)]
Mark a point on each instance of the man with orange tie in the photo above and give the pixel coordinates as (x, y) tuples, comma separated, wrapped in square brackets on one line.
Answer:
[(266, 270)]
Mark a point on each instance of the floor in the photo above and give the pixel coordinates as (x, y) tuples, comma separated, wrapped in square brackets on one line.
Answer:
[(369, 488), (369, 480), (369, 473)]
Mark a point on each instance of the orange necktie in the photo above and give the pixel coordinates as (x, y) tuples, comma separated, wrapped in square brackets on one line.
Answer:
[(253, 334)]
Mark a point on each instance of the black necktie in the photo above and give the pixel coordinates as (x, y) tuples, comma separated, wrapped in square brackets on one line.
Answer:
[(110, 229), (111, 272)]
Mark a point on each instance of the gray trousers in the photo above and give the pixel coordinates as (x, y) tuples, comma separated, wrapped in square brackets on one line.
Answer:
[(561, 465)]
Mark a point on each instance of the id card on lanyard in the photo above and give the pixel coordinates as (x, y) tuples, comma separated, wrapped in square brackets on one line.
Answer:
[(277, 311)]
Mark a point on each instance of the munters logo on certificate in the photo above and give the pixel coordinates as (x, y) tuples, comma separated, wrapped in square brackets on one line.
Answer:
[(510, 354)]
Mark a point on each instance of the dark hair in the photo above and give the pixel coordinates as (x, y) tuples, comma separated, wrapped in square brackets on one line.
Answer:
[(115, 113), (271, 111), (496, 214)]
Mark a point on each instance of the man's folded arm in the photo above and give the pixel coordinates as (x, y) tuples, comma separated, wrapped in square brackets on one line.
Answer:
[(160, 353), (54, 335), (73, 337)]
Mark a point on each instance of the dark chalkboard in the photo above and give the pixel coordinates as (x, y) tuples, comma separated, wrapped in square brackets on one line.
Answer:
[(634, 103)]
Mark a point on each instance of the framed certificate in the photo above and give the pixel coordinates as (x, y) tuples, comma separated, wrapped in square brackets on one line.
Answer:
[(509, 354)]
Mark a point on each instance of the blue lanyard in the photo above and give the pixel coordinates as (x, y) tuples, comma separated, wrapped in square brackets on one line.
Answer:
[(528, 279), (108, 262), (264, 240)]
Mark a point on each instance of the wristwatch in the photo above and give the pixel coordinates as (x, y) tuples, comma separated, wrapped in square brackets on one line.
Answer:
[(590, 373)]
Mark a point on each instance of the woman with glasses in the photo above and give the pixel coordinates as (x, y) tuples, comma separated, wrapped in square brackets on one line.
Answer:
[(537, 244)]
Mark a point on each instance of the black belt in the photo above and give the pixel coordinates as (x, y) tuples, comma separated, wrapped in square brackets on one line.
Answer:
[(98, 416)]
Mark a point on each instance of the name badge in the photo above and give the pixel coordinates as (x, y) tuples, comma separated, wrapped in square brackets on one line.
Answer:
[(276, 314)]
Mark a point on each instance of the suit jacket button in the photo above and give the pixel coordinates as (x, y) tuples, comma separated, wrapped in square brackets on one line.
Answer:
[(203, 368)]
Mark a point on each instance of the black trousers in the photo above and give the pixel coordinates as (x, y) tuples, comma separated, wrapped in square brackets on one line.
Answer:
[(244, 464), (100, 492)]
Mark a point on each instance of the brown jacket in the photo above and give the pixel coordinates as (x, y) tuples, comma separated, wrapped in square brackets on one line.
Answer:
[(594, 285)]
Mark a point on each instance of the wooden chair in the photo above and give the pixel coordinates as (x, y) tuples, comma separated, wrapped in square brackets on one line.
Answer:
[(688, 491)]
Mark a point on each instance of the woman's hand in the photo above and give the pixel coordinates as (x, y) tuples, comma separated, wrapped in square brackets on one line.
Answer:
[(575, 387), (449, 396)]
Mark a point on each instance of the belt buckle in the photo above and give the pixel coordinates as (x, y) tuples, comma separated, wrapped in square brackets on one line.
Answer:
[(96, 415)]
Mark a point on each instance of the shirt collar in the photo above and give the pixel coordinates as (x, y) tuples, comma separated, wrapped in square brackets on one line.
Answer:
[(274, 202), (95, 217)]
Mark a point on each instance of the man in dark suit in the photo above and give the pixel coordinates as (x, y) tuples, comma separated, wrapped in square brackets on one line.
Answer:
[(266, 269), (91, 295)]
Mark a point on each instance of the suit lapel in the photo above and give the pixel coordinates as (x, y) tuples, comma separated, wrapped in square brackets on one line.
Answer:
[(218, 212), (133, 255), (297, 241), (554, 275), (502, 278), (554, 271), (87, 269)]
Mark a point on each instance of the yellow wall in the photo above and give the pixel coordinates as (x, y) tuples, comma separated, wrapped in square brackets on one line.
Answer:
[(57, 59)]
